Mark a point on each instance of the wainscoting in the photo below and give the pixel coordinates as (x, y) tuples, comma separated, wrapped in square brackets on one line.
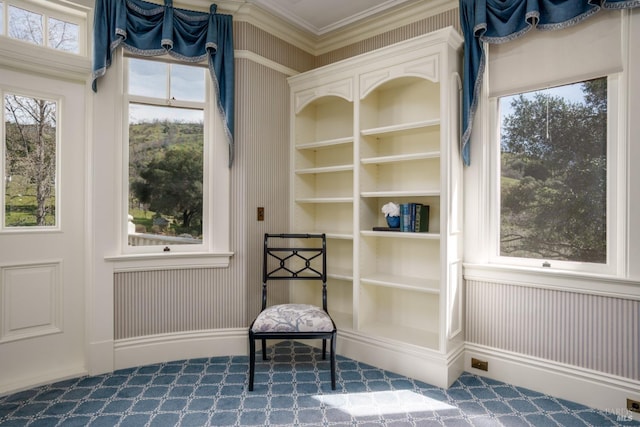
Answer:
[(559, 342)]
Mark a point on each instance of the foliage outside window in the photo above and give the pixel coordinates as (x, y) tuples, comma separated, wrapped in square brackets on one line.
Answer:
[(166, 137), (30, 145), (553, 179), (38, 28)]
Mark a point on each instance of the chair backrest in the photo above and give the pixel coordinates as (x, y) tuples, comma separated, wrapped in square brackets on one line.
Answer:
[(294, 257)]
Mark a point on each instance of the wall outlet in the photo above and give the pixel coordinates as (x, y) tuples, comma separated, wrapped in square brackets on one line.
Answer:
[(260, 214), (483, 365), (633, 405)]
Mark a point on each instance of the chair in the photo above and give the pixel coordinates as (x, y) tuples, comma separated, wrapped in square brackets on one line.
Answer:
[(305, 261)]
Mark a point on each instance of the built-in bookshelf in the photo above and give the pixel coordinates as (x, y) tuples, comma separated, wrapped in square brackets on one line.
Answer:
[(377, 128)]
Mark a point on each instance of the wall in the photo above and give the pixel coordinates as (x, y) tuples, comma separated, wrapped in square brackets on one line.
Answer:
[(177, 301), (180, 302), (573, 336)]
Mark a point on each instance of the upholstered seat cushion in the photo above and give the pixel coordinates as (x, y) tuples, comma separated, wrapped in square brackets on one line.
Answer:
[(293, 318)]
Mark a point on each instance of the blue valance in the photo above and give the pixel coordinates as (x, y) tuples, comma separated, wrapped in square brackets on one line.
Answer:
[(151, 30), (499, 21)]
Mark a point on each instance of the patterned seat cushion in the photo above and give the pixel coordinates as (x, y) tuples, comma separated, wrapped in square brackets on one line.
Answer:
[(293, 318)]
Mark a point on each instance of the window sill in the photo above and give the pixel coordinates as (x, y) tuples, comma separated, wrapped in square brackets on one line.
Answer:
[(169, 261), (567, 281)]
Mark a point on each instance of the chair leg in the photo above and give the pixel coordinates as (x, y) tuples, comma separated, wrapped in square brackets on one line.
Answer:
[(264, 349), (333, 362), (324, 349), (252, 361)]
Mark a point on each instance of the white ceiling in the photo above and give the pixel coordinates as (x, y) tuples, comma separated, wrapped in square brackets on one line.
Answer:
[(323, 16)]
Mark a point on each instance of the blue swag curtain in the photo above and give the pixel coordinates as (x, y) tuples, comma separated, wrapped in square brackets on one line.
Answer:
[(499, 21), (149, 29)]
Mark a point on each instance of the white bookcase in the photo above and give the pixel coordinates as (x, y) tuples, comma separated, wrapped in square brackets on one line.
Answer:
[(381, 127)]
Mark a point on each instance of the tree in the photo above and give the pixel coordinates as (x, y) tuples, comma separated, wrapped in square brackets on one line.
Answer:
[(30, 143), (554, 176), (172, 184)]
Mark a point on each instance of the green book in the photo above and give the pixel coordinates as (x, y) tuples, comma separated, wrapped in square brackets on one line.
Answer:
[(422, 218)]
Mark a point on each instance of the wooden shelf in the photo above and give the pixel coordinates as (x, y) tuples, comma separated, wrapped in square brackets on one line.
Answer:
[(400, 129), (412, 193), (329, 143), (325, 200), (325, 169), (415, 284), (400, 235), (340, 274), (400, 158)]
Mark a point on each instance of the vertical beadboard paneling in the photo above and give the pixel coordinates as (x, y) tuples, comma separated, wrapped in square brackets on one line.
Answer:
[(157, 302), (265, 101), (423, 26), (590, 331)]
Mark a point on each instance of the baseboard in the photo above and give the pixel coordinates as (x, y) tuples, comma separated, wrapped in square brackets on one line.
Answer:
[(141, 351), (28, 382), (591, 388), (415, 362)]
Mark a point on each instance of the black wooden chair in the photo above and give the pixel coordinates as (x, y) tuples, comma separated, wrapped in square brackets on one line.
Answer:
[(293, 257)]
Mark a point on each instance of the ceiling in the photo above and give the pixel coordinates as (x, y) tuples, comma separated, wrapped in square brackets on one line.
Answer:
[(323, 16)]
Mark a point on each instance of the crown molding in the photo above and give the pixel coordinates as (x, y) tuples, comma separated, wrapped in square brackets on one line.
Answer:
[(379, 24), (276, 26)]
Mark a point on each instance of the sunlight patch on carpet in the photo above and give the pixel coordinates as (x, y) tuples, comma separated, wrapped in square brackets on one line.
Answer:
[(382, 403)]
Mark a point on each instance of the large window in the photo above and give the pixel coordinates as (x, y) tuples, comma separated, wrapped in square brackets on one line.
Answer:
[(553, 176), (167, 130)]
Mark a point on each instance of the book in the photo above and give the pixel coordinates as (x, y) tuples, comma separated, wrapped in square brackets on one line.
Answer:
[(422, 218), (405, 217)]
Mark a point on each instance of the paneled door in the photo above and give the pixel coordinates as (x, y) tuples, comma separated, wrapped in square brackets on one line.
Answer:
[(42, 230)]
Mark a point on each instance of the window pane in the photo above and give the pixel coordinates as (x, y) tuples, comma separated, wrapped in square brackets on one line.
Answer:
[(25, 25), (553, 173), (165, 175), (148, 78), (30, 161), (187, 83), (63, 35), (1, 18)]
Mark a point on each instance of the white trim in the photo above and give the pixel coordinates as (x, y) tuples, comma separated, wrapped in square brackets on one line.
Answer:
[(561, 280), (258, 59), (169, 261), (29, 382), (147, 350), (592, 388), (25, 57), (385, 22)]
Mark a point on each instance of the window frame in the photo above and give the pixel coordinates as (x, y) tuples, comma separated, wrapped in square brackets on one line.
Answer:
[(48, 10), (214, 250), (616, 188)]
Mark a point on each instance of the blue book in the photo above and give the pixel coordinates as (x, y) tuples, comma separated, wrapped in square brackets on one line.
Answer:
[(405, 217)]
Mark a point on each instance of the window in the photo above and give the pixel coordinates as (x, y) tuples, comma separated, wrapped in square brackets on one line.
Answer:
[(554, 176), (166, 140), (553, 162), (30, 24), (29, 163)]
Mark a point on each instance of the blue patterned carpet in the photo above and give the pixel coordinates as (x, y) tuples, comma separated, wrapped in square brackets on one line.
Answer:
[(292, 389)]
